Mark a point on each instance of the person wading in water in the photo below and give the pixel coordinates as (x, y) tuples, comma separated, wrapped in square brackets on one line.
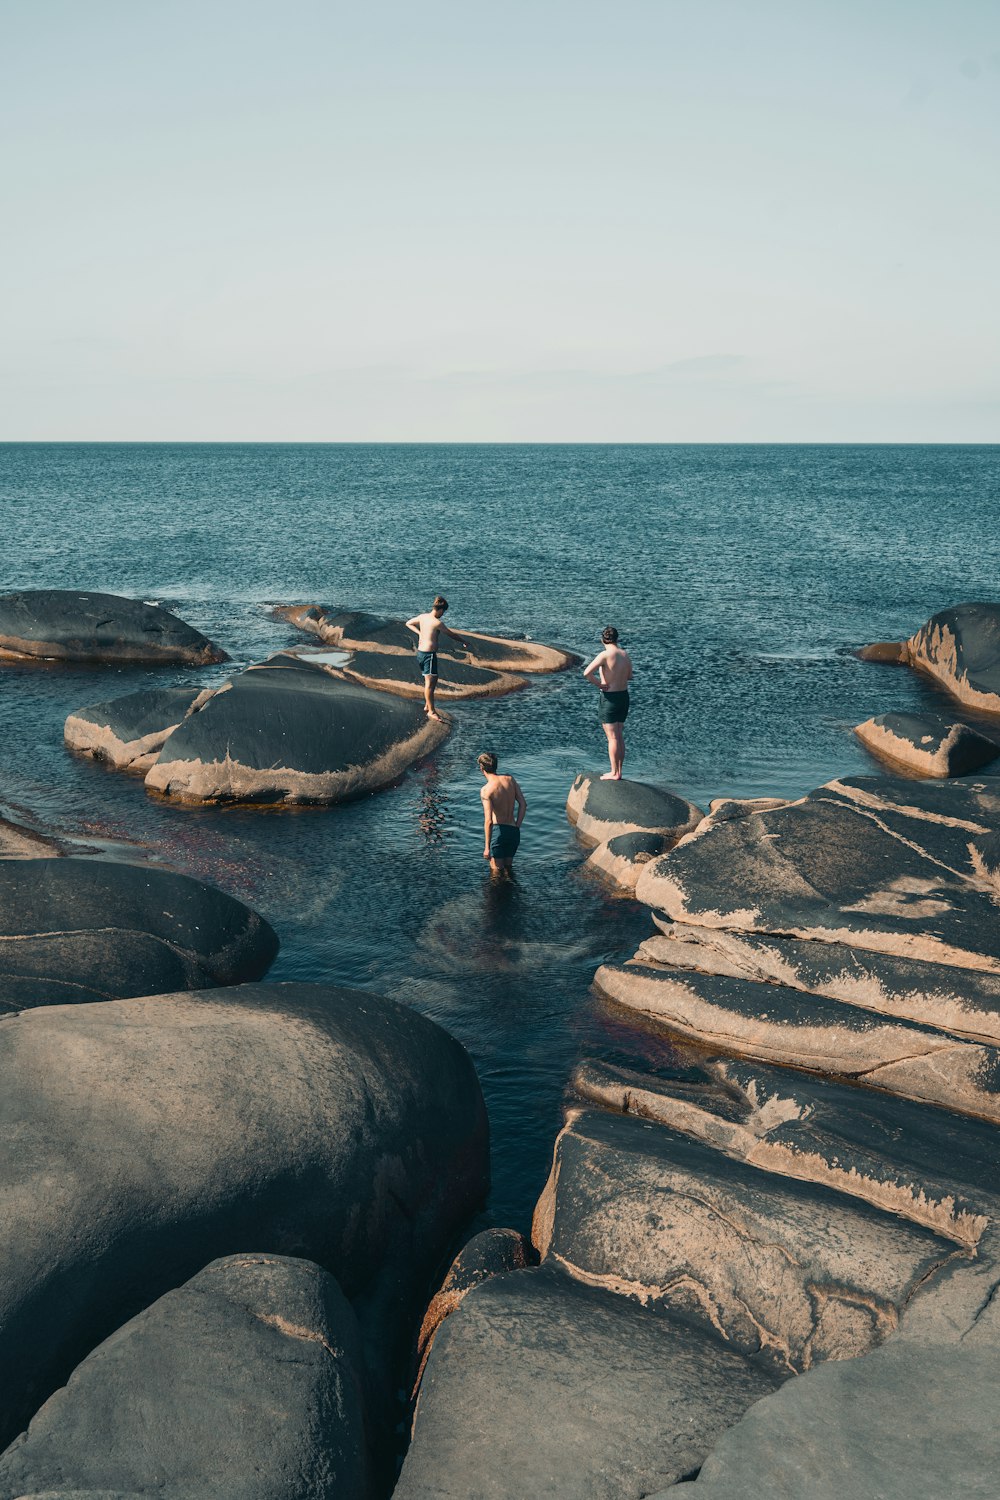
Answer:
[(611, 671), (427, 628), (504, 807)]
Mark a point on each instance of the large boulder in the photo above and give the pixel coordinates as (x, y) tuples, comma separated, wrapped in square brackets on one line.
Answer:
[(150, 1136), (246, 1382), (927, 744), (960, 649), (540, 1385), (355, 630), (128, 733), (907, 1422), (290, 731), (492, 1252), (601, 810), (789, 1272), (78, 930), (62, 625)]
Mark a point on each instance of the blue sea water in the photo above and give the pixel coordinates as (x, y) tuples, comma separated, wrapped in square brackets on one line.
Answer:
[(740, 579)]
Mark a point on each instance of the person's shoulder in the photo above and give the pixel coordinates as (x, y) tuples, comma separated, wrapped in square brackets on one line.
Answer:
[(484, 792)]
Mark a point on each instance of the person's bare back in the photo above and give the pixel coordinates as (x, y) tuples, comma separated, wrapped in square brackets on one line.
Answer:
[(504, 807), (615, 668)]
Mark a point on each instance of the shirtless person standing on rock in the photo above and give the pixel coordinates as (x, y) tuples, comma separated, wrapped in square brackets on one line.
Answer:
[(502, 832), (611, 671), (427, 628)]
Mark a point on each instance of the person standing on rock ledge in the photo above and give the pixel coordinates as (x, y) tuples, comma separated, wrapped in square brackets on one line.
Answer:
[(611, 671), (504, 807), (427, 628)]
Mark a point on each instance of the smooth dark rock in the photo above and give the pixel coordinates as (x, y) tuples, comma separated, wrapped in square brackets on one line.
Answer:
[(395, 673), (150, 1136), (621, 859), (889, 653), (129, 732), (874, 862), (907, 1422), (960, 649), (492, 1252), (601, 810), (63, 625), (75, 930), (789, 1273), (927, 744), (539, 1385), (246, 1382), (290, 731), (356, 630)]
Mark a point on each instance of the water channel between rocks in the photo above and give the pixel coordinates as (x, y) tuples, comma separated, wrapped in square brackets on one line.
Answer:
[(739, 577)]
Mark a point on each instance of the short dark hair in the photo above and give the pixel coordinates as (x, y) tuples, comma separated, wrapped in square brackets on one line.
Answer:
[(488, 762), (440, 602), (609, 635)]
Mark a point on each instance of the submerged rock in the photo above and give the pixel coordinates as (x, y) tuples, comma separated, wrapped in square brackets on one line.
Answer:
[(290, 731), (154, 1135), (927, 744), (62, 625), (128, 733), (248, 1381), (540, 1385), (79, 930), (601, 810), (354, 630)]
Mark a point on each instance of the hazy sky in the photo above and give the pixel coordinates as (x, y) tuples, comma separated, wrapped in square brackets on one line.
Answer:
[(652, 220)]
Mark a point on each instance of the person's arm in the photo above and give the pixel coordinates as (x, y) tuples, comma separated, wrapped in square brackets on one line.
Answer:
[(460, 639), (521, 802), (414, 624), (589, 672), (487, 820)]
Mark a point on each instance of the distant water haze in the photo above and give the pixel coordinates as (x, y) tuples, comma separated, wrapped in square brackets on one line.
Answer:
[(653, 221), (739, 577)]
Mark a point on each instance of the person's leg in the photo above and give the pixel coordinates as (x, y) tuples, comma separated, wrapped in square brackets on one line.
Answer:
[(618, 759), (430, 683), (609, 730)]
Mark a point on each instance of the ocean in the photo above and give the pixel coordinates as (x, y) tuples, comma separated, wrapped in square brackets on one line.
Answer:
[(740, 578)]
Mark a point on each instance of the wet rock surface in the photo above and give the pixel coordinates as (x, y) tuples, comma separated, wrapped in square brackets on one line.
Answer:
[(927, 744), (492, 1252), (248, 1381), (289, 731), (76, 930), (540, 1385), (393, 672), (154, 1135), (128, 733), (602, 810), (62, 625)]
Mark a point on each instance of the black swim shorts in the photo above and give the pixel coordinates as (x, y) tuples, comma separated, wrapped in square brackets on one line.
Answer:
[(428, 662), (614, 707), (504, 840)]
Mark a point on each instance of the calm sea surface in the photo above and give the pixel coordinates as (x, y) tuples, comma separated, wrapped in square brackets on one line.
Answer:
[(739, 577)]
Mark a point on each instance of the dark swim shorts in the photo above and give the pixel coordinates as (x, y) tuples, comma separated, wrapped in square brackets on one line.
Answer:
[(504, 840), (614, 707), (428, 662)]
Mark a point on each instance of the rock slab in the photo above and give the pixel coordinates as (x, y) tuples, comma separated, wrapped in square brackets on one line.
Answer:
[(61, 625)]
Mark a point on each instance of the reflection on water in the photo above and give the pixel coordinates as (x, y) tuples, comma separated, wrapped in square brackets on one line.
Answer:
[(747, 575)]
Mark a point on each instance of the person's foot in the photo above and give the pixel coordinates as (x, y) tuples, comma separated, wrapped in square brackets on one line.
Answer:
[(436, 717), (610, 776)]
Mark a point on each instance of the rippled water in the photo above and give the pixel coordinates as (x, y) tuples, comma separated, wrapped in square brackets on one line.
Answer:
[(739, 577)]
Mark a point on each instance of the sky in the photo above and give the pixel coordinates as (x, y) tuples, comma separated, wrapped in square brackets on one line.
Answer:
[(556, 221)]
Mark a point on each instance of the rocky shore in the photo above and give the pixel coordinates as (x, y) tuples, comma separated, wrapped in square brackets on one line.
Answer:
[(243, 1218)]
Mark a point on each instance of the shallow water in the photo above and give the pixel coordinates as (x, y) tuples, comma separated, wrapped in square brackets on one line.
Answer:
[(740, 577)]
